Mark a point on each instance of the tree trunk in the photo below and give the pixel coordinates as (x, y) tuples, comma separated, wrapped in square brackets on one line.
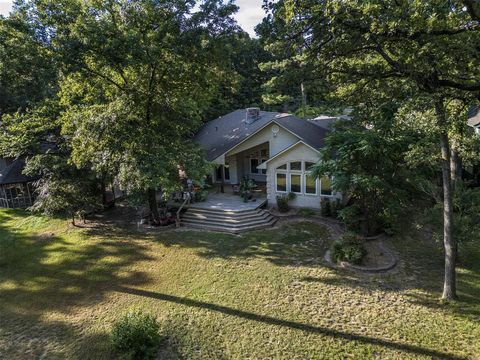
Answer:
[(455, 165), (104, 193), (152, 203), (73, 219), (449, 284)]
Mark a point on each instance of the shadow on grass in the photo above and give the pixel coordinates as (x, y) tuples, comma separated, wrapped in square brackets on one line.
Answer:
[(413, 349), (422, 269), (45, 269), (300, 244)]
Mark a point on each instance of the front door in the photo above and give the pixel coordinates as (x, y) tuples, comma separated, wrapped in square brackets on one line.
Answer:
[(222, 173)]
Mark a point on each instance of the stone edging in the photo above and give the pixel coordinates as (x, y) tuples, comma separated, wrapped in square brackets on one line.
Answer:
[(337, 229), (380, 269)]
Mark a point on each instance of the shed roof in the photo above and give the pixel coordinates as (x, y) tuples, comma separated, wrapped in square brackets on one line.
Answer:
[(474, 116), (218, 136), (13, 173)]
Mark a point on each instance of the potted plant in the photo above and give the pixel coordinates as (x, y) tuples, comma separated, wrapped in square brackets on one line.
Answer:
[(246, 186)]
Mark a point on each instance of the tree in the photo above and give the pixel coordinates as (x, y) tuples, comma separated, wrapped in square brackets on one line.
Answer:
[(371, 168), (62, 188), (138, 77), (426, 50), (28, 72)]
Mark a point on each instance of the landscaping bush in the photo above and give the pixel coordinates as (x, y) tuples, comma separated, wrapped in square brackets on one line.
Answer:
[(325, 207), (348, 248), (136, 335), (201, 195), (283, 200)]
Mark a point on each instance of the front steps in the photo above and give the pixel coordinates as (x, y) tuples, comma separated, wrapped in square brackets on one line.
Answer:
[(230, 221)]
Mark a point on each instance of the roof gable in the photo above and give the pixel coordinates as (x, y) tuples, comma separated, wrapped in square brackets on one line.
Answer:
[(221, 135), (13, 173)]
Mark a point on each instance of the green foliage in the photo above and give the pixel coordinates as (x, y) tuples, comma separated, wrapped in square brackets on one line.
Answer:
[(326, 208), (348, 248), (62, 188), (201, 195), (136, 335), (283, 201), (28, 72), (369, 167), (136, 80), (466, 226), (246, 187)]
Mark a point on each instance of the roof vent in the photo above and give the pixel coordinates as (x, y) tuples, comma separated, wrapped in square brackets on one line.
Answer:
[(252, 115)]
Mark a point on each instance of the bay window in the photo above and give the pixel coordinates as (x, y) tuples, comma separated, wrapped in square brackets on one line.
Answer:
[(296, 177)]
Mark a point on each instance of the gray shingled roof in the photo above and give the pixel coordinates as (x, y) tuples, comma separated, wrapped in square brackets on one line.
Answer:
[(220, 135), (326, 121), (474, 116), (13, 173)]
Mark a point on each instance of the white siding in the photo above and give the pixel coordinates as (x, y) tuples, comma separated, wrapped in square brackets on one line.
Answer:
[(232, 162), (281, 141), (299, 152)]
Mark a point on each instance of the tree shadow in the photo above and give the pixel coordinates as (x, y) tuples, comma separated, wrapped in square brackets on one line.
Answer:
[(299, 244), (46, 270), (412, 349), (419, 276)]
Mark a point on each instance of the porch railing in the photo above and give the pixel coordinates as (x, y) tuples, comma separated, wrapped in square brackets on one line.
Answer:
[(179, 211)]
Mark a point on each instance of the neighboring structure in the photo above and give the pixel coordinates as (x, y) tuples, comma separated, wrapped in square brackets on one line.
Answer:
[(15, 188), (474, 119), (274, 149)]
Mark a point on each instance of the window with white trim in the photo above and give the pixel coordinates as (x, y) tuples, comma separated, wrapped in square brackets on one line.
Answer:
[(295, 177), (296, 183), (310, 185), (257, 158), (326, 186), (281, 182)]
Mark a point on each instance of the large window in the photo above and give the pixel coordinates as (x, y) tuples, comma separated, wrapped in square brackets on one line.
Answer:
[(281, 182), (310, 185), (256, 158), (295, 177), (296, 183), (325, 186)]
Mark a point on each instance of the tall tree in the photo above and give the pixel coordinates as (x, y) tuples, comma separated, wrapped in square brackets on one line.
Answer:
[(28, 72), (138, 76), (421, 49)]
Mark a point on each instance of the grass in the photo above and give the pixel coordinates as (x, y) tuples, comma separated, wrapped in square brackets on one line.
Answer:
[(265, 294)]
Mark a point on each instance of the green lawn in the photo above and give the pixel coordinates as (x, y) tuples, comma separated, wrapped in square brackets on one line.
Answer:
[(263, 295)]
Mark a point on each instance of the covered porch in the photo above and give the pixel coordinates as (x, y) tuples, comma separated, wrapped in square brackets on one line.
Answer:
[(237, 165)]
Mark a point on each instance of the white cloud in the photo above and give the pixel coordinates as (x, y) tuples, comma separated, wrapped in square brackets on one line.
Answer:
[(249, 15), (5, 7)]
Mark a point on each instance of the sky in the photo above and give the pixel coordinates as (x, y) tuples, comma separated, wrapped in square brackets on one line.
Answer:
[(249, 15)]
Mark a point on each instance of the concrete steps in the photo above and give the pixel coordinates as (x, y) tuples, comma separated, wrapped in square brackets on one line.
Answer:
[(228, 221)]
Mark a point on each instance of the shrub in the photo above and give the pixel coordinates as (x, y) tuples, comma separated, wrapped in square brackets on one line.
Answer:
[(351, 216), (282, 203), (348, 248), (335, 207), (201, 195), (283, 200), (325, 207), (136, 335)]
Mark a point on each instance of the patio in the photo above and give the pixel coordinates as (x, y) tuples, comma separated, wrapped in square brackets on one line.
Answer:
[(229, 202)]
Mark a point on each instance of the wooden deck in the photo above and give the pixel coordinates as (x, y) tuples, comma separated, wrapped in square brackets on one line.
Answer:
[(229, 203)]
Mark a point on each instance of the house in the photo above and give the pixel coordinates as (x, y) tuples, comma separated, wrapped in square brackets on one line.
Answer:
[(474, 119), (276, 150), (15, 188)]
